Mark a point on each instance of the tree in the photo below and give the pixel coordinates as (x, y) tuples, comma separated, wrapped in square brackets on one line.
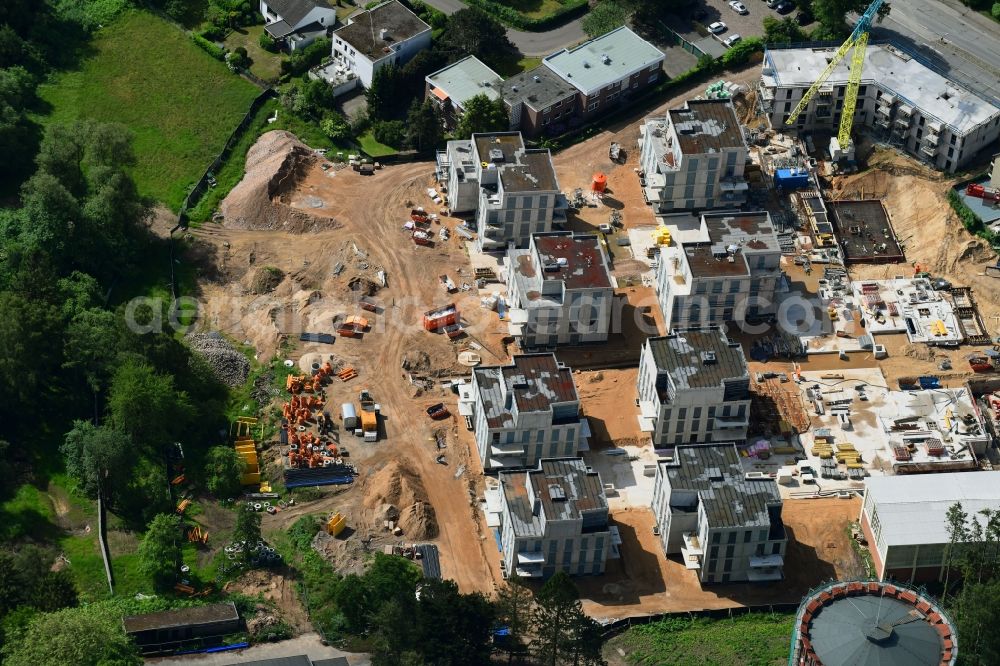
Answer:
[(247, 532), (390, 132), (223, 468), (473, 31), (160, 550), (335, 126), (977, 609), (11, 584), (91, 344), (146, 405), (831, 15), (382, 94), (482, 115), (604, 18), (53, 591), (98, 458), (423, 126), (451, 627), (73, 636), (558, 618), (782, 31), (514, 608)]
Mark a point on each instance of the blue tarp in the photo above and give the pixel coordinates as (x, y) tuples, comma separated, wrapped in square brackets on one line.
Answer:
[(496, 537)]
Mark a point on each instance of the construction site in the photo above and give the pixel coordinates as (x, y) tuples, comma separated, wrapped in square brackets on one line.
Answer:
[(373, 297)]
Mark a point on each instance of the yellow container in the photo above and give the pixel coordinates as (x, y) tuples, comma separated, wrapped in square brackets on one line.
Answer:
[(336, 524)]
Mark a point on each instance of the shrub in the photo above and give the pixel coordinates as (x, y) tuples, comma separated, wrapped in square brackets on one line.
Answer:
[(208, 47), (741, 52), (302, 61), (973, 224), (335, 127), (995, 11), (390, 132), (214, 33), (267, 43)]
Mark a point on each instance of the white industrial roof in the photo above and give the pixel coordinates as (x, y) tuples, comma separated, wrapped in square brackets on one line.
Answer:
[(463, 80), (604, 60), (893, 70), (912, 509)]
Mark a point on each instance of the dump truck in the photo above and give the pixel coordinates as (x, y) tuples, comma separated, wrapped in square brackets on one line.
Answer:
[(369, 415)]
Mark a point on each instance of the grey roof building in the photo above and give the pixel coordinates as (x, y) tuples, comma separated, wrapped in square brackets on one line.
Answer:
[(725, 526), (604, 60), (554, 517), (524, 412), (297, 22), (452, 86), (694, 387)]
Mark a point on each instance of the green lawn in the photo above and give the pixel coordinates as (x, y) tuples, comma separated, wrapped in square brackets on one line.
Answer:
[(373, 148), (180, 103), (534, 8), (264, 64), (756, 639), (513, 65)]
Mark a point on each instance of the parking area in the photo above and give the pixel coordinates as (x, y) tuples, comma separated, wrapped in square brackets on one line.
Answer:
[(748, 25)]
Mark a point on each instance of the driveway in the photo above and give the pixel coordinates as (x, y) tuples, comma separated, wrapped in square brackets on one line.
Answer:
[(449, 7), (307, 644), (960, 41), (751, 25)]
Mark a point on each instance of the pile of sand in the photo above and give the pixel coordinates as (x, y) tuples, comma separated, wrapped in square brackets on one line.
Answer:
[(395, 492), (274, 165)]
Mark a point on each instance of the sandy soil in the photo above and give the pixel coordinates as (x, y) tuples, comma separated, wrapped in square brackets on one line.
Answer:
[(644, 581), (360, 233), (608, 398), (275, 586)]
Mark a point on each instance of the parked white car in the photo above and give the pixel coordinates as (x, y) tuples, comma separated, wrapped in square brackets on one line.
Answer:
[(731, 39), (717, 28), (738, 7)]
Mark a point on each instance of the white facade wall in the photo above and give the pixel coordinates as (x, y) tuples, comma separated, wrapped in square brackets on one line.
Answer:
[(582, 318), (879, 110), (364, 68), (701, 181)]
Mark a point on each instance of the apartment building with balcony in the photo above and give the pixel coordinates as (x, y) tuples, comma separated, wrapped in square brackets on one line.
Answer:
[(694, 158), (900, 101), (456, 171), (724, 526), (554, 518), (385, 34), (524, 412), (451, 87), (540, 101), (559, 290), (728, 272), (694, 388), (606, 71)]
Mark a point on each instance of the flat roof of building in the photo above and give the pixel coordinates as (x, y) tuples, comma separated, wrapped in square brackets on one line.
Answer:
[(893, 70), (363, 32), (463, 80), (538, 88), (578, 260), (604, 60), (507, 143), (706, 126), (532, 172), (913, 510), (716, 474), (564, 488), (698, 358), (730, 237), (532, 382), (196, 615)]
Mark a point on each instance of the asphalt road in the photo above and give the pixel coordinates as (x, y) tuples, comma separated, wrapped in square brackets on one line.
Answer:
[(962, 42), (529, 43)]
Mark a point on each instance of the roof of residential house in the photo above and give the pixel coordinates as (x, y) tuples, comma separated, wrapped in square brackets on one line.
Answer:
[(508, 143), (532, 172), (293, 11), (463, 80), (604, 60), (538, 88), (731, 236), (209, 614), (891, 69), (706, 126), (715, 474), (912, 509), (578, 260), (564, 490), (698, 358), (532, 383), (364, 30)]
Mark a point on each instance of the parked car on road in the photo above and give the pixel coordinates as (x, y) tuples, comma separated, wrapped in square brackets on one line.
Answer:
[(738, 7), (731, 39), (717, 28), (785, 7)]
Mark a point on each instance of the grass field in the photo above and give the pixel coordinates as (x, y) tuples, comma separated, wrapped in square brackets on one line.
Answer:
[(534, 8), (515, 64), (756, 639), (264, 64), (373, 148), (179, 102)]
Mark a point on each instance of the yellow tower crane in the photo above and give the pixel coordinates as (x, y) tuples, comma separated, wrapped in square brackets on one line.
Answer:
[(841, 145)]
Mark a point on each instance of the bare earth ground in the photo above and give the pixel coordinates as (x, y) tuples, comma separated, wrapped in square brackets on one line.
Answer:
[(644, 581), (314, 220)]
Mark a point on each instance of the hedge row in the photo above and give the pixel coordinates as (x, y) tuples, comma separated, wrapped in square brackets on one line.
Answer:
[(208, 47), (515, 19), (973, 224)]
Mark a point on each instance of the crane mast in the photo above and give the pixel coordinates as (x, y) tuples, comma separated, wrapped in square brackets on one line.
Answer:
[(858, 41)]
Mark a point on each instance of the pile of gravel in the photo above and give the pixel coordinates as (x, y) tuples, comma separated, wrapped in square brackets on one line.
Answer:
[(230, 366)]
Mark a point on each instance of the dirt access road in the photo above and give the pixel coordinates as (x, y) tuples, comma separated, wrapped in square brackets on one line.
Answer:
[(357, 221)]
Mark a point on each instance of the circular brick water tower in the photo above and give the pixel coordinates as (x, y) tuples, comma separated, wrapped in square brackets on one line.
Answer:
[(871, 624)]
